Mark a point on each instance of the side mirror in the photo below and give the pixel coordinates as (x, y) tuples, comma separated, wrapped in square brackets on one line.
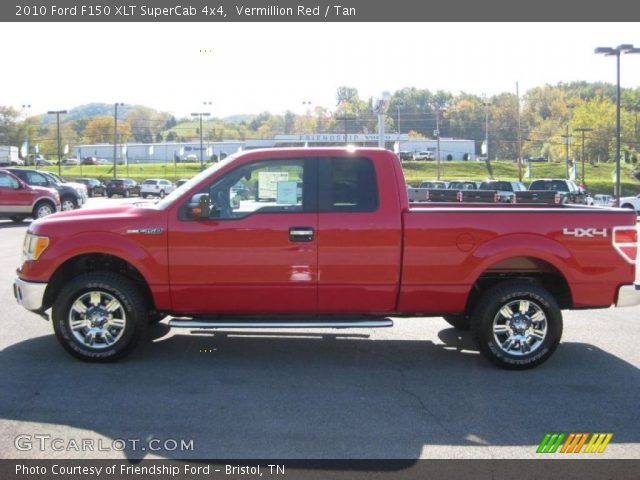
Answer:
[(200, 206)]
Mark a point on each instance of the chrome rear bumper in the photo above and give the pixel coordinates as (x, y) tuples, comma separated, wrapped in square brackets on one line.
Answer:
[(629, 295)]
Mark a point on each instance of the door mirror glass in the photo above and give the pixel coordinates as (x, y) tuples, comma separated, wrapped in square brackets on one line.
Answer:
[(200, 206)]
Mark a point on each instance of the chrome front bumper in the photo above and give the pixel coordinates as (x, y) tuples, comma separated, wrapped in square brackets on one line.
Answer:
[(629, 295), (29, 294)]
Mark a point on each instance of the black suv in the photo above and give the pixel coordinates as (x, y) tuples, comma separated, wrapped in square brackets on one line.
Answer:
[(122, 186), (72, 195), (94, 186)]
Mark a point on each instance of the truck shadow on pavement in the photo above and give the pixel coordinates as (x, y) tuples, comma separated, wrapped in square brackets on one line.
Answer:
[(329, 396)]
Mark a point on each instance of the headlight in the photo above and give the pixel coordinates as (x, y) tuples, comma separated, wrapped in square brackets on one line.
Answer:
[(34, 246)]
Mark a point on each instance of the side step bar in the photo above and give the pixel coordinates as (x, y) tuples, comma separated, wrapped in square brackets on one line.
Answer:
[(189, 323)]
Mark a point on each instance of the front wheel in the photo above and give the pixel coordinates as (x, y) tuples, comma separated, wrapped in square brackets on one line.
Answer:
[(517, 325), (98, 317), (68, 203), (43, 208)]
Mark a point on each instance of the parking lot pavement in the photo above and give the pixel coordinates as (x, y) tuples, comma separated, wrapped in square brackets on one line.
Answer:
[(417, 390)]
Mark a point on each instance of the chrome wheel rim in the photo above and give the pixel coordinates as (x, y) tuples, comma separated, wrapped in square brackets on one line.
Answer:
[(67, 206), (520, 327), (44, 210), (97, 320)]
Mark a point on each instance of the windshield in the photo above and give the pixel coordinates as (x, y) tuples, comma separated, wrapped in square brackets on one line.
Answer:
[(169, 199), (55, 177)]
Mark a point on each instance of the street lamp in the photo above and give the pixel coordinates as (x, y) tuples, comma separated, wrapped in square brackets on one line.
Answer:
[(25, 107), (486, 104), (608, 52), (115, 137), (57, 113), (200, 115), (583, 130)]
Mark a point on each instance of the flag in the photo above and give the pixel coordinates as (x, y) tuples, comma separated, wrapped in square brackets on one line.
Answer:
[(573, 173), (66, 149), (528, 174), (24, 150), (483, 148), (150, 150), (36, 149), (396, 147), (181, 153), (614, 176)]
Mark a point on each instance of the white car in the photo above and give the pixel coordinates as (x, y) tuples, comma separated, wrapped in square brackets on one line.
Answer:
[(156, 187), (602, 200), (631, 203), (424, 155)]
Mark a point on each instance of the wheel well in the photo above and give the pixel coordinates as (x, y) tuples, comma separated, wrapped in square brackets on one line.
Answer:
[(529, 269), (95, 262)]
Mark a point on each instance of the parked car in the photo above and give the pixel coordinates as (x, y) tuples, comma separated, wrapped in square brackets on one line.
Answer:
[(104, 161), (601, 200), (463, 185), (89, 161), (567, 191), (632, 203), (424, 155), (505, 189), (94, 186), (40, 162), (156, 187), (19, 200), (405, 155), (70, 161), (505, 272), (433, 184), (72, 195), (124, 187), (181, 182)]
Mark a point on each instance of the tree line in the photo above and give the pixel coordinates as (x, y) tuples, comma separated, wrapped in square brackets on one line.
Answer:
[(547, 114)]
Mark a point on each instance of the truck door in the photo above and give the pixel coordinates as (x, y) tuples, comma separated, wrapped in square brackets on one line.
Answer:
[(257, 251), (360, 235)]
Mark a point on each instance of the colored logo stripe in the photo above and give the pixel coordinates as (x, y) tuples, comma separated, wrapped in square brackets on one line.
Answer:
[(574, 442)]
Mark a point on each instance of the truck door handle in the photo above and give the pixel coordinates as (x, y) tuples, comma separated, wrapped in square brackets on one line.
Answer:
[(301, 234)]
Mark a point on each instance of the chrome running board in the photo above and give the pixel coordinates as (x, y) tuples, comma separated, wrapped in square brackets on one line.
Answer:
[(190, 323)]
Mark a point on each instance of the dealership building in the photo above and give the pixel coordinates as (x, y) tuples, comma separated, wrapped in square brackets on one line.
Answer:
[(450, 149)]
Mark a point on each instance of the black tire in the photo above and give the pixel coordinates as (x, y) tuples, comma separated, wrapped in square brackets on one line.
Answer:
[(17, 218), (69, 202), (131, 305), (40, 209), (109, 195), (126, 194), (161, 195), (488, 311), (459, 321), (90, 193)]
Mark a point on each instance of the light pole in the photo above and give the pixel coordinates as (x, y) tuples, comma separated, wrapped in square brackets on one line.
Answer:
[(486, 104), (608, 52), (200, 115), (25, 107), (57, 113), (436, 133), (115, 136), (583, 130)]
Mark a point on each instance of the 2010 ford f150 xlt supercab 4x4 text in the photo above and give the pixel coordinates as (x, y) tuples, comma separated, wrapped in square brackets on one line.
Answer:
[(323, 238)]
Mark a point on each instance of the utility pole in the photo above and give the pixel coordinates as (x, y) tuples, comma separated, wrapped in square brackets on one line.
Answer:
[(519, 135), (201, 114), (28, 140), (57, 113), (437, 135), (566, 137), (583, 130), (115, 136), (345, 118), (487, 104)]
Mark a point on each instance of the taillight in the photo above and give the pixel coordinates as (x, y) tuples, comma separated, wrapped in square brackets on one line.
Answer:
[(625, 241), (459, 196)]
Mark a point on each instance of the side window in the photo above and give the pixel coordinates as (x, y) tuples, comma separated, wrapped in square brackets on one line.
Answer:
[(273, 186), (34, 178), (348, 185), (8, 182)]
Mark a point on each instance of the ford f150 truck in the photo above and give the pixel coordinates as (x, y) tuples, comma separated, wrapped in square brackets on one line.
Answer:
[(326, 238)]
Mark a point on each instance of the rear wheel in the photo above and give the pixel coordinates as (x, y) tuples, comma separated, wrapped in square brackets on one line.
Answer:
[(161, 193), (43, 208), (98, 317), (517, 325)]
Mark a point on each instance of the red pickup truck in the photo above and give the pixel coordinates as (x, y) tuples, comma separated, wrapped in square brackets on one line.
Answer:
[(323, 238)]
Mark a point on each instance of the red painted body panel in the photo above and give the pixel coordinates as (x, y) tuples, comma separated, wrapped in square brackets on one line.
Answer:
[(396, 259)]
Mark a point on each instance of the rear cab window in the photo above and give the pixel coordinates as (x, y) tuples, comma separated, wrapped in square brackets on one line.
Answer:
[(348, 185)]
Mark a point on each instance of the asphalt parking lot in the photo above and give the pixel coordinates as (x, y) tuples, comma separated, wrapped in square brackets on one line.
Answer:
[(417, 390)]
